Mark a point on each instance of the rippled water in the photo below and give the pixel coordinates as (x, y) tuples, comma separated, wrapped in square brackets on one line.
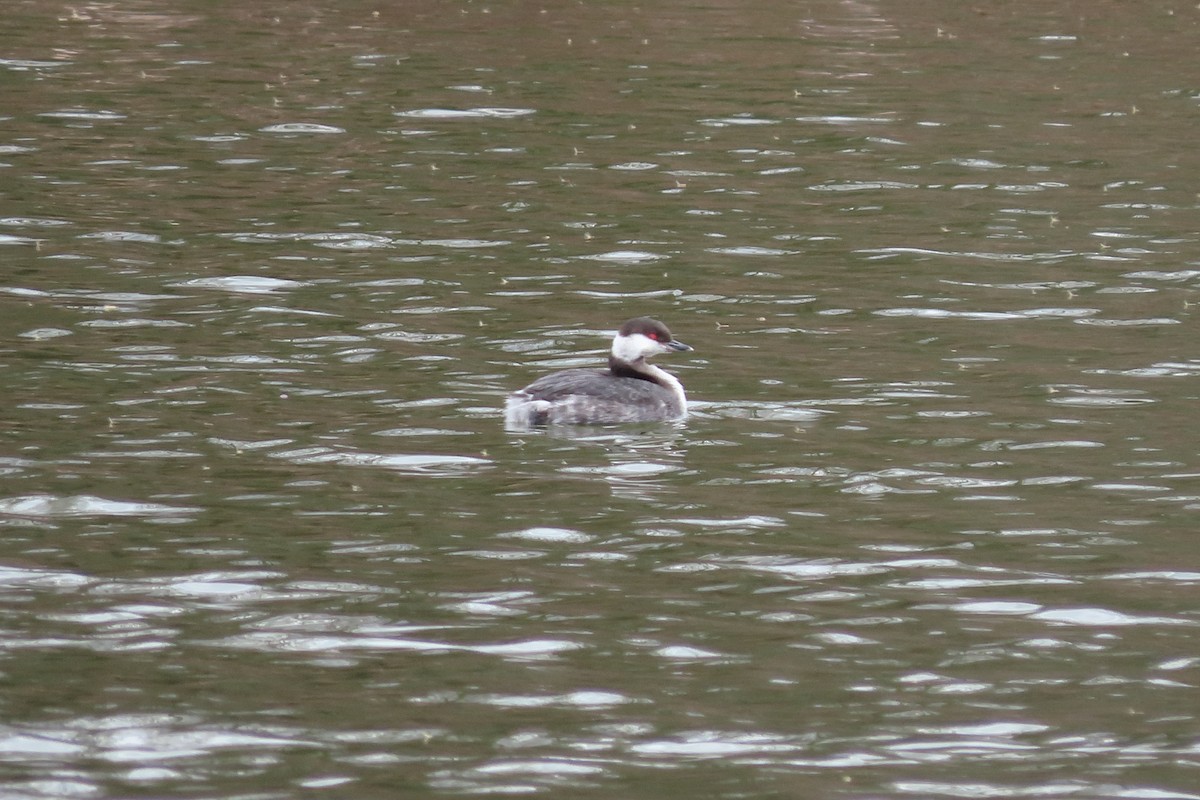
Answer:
[(271, 271)]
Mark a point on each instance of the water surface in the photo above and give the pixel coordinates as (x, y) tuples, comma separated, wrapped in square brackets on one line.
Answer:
[(927, 531)]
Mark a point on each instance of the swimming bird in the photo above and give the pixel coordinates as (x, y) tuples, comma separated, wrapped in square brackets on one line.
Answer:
[(630, 390)]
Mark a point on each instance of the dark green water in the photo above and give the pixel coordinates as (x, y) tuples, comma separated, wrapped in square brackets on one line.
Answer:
[(272, 269)]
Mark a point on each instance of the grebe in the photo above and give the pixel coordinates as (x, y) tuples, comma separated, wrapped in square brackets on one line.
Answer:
[(630, 390)]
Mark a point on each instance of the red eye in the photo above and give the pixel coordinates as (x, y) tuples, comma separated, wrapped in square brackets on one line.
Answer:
[(653, 335)]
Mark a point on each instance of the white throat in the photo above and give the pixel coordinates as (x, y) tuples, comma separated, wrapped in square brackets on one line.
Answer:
[(668, 381)]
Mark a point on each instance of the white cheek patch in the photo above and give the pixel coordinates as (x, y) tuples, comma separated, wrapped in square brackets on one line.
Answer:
[(635, 346)]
